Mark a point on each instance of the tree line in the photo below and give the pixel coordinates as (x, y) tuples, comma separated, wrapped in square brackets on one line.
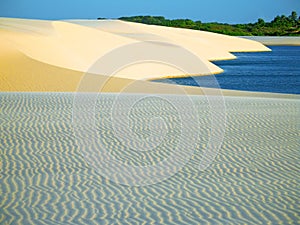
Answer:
[(279, 26)]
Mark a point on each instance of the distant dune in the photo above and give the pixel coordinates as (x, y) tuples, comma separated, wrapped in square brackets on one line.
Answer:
[(41, 55), (274, 40)]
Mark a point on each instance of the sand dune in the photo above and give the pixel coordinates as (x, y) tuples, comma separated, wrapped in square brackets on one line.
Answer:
[(20, 73), (219, 41), (202, 48), (47, 176), (68, 46), (77, 45)]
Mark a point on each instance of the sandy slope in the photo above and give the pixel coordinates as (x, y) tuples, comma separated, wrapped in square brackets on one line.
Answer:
[(20, 73), (77, 45)]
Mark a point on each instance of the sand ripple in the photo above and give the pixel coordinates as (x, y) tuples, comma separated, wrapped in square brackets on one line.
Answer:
[(45, 179)]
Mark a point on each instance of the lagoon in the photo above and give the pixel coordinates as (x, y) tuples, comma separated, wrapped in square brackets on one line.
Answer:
[(277, 71)]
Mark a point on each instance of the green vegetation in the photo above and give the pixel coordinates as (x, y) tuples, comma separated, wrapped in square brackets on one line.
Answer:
[(279, 26)]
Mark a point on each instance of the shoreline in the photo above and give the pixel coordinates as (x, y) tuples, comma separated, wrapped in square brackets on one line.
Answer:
[(77, 44), (54, 56)]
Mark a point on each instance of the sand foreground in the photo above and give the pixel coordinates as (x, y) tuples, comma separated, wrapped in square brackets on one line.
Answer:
[(46, 179)]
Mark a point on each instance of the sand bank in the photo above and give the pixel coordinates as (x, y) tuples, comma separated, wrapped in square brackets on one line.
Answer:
[(288, 40), (54, 56), (20, 73), (76, 46)]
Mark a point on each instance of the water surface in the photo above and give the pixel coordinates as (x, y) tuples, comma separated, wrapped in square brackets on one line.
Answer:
[(277, 71)]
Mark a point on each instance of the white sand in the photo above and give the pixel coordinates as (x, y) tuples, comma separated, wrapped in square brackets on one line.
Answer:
[(252, 179), (77, 45), (47, 56)]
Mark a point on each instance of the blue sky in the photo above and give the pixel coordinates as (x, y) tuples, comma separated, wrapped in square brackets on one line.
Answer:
[(229, 11)]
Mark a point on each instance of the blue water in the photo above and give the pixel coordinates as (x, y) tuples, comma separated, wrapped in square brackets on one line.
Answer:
[(277, 71)]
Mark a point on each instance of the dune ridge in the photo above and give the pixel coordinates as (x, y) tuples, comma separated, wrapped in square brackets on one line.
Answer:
[(77, 44)]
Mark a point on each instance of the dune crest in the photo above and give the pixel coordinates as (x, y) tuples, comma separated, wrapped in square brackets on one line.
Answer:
[(76, 45)]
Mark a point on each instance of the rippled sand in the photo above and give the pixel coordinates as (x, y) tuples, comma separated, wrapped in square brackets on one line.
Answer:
[(45, 178)]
